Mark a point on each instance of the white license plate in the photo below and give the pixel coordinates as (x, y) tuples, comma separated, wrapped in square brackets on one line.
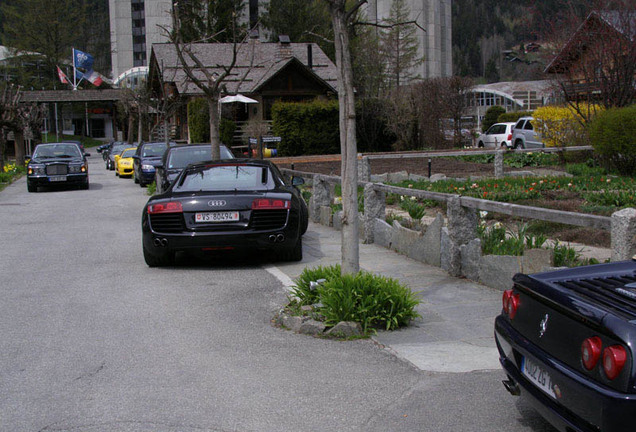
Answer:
[(537, 376), (57, 178), (216, 217)]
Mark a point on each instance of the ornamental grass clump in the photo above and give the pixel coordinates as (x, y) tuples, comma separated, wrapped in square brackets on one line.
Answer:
[(373, 301)]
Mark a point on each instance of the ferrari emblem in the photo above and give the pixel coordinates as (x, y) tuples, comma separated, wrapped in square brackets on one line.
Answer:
[(543, 325)]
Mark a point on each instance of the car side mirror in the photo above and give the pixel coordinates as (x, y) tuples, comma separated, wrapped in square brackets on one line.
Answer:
[(297, 181)]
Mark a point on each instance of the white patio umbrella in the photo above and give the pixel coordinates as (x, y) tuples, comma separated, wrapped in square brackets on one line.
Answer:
[(237, 98)]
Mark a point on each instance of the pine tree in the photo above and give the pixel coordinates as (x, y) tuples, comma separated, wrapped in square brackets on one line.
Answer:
[(399, 46)]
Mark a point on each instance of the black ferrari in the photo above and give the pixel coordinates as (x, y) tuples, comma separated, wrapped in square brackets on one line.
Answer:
[(241, 205)]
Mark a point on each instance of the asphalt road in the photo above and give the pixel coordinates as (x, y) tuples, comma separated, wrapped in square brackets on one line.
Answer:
[(91, 339)]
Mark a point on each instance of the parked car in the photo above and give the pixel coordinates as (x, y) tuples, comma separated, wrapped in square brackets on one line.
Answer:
[(124, 162), (176, 158), (566, 340), (57, 164), (115, 150), (497, 135), (147, 157), (524, 135), (225, 205)]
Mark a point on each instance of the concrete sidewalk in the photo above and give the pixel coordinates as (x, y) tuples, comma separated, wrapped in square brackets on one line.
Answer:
[(455, 333)]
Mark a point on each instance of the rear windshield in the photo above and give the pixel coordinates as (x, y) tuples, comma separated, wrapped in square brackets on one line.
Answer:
[(57, 150), (129, 153), (151, 150), (226, 178)]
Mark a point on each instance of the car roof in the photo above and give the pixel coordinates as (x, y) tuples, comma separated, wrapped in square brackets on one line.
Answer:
[(243, 161)]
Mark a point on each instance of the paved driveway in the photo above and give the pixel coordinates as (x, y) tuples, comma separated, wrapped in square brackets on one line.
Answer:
[(94, 340)]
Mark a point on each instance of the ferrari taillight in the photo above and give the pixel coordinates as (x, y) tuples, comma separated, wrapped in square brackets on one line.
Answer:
[(270, 204), (614, 358), (510, 303), (165, 207), (591, 352)]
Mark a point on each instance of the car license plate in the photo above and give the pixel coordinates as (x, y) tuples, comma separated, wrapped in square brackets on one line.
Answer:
[(216, 217), (57, 178), (537, 376)]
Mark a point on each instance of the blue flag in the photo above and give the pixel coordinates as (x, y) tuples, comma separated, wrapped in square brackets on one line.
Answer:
[(82, 60)]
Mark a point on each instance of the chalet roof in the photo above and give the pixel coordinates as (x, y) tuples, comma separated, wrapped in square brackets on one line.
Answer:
[(51, 96), (256, 63), (624, 23)]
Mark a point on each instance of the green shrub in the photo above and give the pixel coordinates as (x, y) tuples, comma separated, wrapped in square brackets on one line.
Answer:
[(415, 210), (306, 128), (226, 131), (613, 135), (199, 120), (498, 240), (368, 299), (566, 256), (492, 114), (302, 290), (513, 116)]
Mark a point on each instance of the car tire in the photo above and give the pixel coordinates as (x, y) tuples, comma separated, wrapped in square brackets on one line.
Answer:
[(481, 144), (304, 219), (116, 173), (31, 187), (295, 253), (518, 144), (158, 261), (135, 177), (85, 185)]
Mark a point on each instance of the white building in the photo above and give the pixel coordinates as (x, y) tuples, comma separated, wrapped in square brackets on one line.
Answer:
[(435, 41), (134, 26)]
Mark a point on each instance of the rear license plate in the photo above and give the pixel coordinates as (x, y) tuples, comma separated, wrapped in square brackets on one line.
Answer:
[(57, 178), (537, 376), (216, 217)]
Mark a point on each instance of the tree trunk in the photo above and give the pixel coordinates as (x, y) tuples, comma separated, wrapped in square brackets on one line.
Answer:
[(215, 138), (140, 128), (131, 128), (19, 148), (3, 143), (348, 146)]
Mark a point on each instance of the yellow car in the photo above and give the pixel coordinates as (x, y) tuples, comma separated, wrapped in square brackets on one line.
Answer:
[(124, 162)]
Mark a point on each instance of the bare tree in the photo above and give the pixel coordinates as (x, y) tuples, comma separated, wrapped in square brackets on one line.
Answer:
[(211, 83), (19, 118), (341, 19)]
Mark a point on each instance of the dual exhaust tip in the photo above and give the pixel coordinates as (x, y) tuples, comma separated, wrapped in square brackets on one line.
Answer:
[(160, 242), (276, 238)]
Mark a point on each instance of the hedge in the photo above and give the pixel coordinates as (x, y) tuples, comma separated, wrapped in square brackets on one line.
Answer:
[(199, 123), (613, 136), (492, 116), (306, 128)]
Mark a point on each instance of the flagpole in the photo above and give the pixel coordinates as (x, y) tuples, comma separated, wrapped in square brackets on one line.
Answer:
[(74, 72)]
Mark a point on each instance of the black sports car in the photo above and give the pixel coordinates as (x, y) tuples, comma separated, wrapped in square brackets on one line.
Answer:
[(226, 205), (55, 164), (567, 341)]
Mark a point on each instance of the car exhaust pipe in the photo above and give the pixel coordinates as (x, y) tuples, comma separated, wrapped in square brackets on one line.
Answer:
[(512, 387), (272, 238), (280, 238), (160, 242)]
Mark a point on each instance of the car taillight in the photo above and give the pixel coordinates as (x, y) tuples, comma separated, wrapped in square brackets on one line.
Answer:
[(613, 360), (166, 207), (591, 352), (270, 204), (509, 137), (510, 303)]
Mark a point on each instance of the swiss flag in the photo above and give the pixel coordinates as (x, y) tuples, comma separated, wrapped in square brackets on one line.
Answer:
[(62, 76)]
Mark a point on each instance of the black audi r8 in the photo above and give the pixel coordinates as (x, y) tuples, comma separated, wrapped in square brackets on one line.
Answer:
[(227, 205)]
